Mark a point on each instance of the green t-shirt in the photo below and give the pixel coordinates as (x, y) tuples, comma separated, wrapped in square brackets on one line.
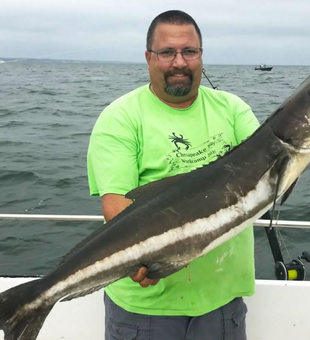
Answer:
[(138, 139)]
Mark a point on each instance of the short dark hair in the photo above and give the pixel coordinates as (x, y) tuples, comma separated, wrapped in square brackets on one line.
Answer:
[(173, 17)]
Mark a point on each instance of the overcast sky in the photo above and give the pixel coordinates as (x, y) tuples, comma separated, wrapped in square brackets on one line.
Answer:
[(276, 32)]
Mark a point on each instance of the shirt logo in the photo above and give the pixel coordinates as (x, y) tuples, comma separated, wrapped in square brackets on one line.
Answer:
[(185, 155), (179, 140)]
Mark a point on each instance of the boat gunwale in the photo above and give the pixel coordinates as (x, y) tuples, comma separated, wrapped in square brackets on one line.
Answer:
[(100, 218)]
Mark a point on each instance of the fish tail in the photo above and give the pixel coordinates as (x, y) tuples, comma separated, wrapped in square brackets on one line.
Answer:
[(21, 313)]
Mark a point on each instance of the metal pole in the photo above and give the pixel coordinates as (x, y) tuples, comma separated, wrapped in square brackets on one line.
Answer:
[(51, 217), (98, 218)]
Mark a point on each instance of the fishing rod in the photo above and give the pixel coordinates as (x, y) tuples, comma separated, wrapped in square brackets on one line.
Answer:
[(204, 73), (295, 269)]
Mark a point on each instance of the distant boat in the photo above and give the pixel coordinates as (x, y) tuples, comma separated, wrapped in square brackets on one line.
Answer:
[(263, 67)]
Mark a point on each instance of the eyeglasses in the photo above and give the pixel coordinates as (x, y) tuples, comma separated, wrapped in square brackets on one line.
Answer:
[(169, 54)]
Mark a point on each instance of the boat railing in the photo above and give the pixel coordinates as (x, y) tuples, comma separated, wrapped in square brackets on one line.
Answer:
[(99, 218), (295, 268)]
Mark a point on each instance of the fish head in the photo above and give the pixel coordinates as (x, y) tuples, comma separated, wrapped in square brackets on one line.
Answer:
[(291, 121)]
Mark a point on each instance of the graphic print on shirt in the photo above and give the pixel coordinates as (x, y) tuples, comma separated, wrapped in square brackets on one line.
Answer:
[(179, 140), (187, 155)]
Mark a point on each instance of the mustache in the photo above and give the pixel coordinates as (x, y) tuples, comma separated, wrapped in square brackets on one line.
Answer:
[(176, 72)]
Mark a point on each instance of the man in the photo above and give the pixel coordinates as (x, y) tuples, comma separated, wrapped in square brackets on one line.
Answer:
[(171, 126)]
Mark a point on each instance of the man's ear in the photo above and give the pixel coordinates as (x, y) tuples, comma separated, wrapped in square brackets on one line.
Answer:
[(148, 57)]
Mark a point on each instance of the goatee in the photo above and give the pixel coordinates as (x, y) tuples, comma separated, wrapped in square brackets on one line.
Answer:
[(178, 89)]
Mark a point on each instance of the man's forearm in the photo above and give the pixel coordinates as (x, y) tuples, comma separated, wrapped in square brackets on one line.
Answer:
[(113, 204)]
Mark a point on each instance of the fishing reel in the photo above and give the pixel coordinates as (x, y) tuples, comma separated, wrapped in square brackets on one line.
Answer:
[(295, 270)]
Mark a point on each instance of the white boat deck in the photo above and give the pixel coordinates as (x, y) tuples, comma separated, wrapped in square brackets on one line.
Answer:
[(279, 310)]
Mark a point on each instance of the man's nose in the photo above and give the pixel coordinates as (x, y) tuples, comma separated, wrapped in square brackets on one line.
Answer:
[(179, 61)]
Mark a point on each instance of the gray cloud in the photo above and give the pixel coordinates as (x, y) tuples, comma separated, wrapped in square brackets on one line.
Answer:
[(235, 32)]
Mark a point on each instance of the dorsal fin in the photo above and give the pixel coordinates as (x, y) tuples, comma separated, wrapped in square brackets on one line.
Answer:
[(81, 244), (148, 189), (153, 188)]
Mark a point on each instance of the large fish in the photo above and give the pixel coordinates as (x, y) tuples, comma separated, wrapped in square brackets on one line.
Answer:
[(174, 220)]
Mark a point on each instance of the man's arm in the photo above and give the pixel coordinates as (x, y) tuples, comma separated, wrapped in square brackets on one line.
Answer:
[(112, 205)]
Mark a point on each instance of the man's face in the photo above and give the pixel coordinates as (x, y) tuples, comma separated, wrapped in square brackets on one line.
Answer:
[(175, 81)]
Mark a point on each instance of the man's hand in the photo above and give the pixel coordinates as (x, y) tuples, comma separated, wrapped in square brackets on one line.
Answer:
[(141, 278), (112, 205)]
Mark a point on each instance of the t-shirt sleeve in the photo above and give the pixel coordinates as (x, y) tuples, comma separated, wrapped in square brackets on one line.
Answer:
[(245, 122), (112, 155)]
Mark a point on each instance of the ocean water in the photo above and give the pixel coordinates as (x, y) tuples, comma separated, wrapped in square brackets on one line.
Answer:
[(47, 111)]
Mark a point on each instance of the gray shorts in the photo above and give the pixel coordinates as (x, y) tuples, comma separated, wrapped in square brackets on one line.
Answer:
[(225, 323)]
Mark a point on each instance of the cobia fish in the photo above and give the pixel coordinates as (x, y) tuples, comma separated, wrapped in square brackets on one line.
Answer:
[(174, 220)]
